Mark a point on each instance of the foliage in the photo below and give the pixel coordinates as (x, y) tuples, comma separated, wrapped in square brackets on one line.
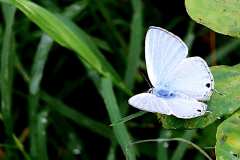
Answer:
[(228, 146), (68, 68), (221, 16)]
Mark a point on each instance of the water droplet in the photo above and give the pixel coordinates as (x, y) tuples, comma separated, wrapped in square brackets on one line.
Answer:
[(43, 133), (76, 150), (43, 120), (168, 134), (165, 144), (218, 117)]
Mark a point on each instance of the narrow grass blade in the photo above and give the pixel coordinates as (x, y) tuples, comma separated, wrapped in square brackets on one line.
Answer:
[(162, 149), (34, 87), (42, 122), (75, 8), (7, 69), (182, 147), (5, 1), (161, 140), (80, 119), (7, 58), (21, 147), (223, 51), (128, 118), (69, 35), (39, 63), (106, 14), (136, 46), (190, 36), (111, 154), (120, 130)]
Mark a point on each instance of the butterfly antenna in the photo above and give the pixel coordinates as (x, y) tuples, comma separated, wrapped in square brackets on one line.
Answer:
[(148, 82), (220, 93)]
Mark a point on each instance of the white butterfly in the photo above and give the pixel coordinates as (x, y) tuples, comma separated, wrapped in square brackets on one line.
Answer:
[(180, 84)]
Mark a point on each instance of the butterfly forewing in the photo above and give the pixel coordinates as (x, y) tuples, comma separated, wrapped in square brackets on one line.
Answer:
[(163, 52)]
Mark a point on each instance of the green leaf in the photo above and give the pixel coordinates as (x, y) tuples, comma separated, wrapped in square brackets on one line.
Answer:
[(71, 36), (220, 16), (228, 138), (227, 81)]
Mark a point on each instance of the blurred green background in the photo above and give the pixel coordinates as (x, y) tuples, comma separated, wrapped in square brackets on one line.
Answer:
[(55, 105)]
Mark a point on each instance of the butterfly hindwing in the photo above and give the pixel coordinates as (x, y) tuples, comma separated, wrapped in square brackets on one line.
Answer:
[(180, 106), (183, 106), (193, 78), (150, 103)]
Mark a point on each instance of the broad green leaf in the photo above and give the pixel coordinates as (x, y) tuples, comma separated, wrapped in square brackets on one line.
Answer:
[(71, 36), (227, 81), (228, 138), (218, 15)]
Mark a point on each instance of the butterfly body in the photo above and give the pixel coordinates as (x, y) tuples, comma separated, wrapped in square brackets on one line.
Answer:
[(164, 93), (180, 84)]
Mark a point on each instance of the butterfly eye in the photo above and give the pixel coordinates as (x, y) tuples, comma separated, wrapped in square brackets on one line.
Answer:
[(208, 85)]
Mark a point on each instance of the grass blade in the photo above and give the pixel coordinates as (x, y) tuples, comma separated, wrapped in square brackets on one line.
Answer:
[(34, 86), (162, 153), (136, 46), (7, 57), (69, 35), (41, 126), (169, 140), (112, 150), (106, 14), (80, 119), (7, 69), (128, 118), (21, 147), (5, 1), (223, 51), (39, 63), (182, 147), (120, 130)]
